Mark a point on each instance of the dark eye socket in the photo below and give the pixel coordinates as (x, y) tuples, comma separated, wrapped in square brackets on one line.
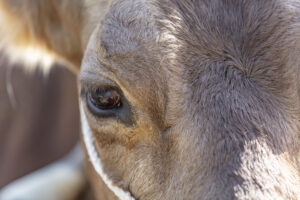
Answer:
[(108, 102), (104, 99)]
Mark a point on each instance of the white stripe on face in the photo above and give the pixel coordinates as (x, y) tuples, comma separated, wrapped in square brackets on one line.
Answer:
[(96, 160)]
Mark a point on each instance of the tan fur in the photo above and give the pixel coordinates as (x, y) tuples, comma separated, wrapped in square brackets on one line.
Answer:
[(212, 86), (60, 27)]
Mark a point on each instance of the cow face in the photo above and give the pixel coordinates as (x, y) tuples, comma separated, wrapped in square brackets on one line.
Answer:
[(194, 100)]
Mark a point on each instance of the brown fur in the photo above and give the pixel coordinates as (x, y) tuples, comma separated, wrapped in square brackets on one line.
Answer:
[(213, 88), (56, 26)]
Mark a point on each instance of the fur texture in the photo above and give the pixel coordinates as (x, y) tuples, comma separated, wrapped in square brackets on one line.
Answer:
[(213, 88)]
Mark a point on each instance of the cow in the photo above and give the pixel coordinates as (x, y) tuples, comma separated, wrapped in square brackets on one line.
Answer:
[(193, 99)]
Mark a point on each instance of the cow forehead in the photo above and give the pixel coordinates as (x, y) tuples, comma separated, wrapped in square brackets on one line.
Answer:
[(137, 37), (188, 38), (127, 26), (212, 31)]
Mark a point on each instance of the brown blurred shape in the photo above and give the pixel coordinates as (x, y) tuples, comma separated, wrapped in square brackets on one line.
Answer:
[(39, 118)]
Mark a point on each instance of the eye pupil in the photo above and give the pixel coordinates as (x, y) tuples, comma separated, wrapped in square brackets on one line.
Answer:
[(105, 98)]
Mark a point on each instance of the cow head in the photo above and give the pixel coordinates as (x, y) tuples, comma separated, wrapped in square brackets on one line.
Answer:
[(194, 100)]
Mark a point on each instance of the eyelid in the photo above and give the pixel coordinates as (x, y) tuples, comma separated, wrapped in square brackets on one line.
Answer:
[(89, 80), (90, 87)]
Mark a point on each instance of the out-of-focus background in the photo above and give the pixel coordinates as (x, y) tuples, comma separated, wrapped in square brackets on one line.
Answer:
[(39, 117)]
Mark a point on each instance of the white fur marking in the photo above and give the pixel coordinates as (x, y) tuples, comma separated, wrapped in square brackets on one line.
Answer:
[(30, 58), (96, 161)]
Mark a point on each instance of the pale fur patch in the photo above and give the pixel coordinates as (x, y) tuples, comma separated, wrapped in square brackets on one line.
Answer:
[(269, 171), (30, 58), (96, 160)]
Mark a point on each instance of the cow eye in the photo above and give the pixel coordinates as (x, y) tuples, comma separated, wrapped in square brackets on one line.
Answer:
[(104, 99), (108, 102)]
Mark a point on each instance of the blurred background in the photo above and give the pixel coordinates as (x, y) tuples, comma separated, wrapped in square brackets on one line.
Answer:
[(39, 117)]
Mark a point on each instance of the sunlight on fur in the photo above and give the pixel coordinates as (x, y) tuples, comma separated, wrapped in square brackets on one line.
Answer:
[(31, 57)]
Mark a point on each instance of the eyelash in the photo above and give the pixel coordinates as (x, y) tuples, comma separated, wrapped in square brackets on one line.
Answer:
[(104, 98)]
